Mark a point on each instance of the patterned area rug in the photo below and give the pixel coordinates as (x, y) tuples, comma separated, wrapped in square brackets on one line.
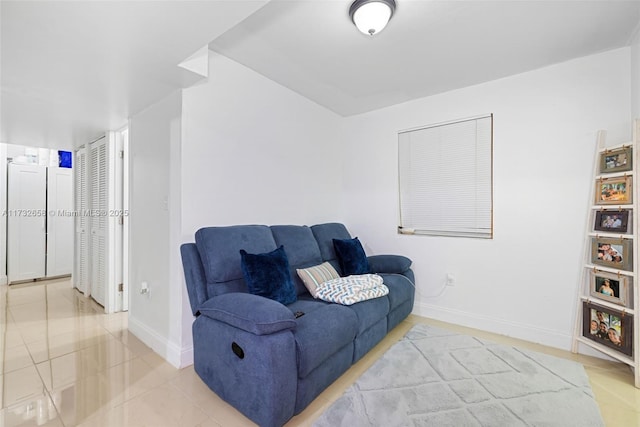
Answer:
[(434, 377)]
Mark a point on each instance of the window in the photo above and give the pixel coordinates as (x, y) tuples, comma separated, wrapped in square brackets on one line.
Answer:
[(445, 176)]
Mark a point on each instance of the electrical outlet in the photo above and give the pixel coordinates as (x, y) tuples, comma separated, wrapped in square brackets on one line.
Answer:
[(451, 280)]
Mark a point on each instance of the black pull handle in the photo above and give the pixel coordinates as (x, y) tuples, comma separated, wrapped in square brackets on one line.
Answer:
[(237, 350)]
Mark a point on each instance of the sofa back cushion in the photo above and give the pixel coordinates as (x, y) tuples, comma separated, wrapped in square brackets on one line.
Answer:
[(324, 234), (219, 249), (301, 248)]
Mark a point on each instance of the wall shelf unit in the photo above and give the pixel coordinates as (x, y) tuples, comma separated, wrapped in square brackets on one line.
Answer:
[(608, 296)]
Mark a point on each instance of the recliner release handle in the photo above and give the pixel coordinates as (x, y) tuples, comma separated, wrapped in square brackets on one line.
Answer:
[(237, 350)]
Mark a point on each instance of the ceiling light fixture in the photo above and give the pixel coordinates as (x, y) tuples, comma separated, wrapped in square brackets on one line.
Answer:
[(371, 16)]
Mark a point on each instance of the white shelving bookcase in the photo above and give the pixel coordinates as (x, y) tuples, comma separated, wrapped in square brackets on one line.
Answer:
[(584, 285)]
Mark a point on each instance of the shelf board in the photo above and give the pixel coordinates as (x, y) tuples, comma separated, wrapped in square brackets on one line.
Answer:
[(613, 175), (607, 304), (615, 147), (611, 235), (612, 207), (606, 350), (608, 269)]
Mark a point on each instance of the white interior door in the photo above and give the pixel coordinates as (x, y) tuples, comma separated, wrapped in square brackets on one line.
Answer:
[(98, 208), (81, 274), (59, 221), (26, 222)]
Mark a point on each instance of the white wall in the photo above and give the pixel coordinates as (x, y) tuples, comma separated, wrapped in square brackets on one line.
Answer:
[(154, 223), (3, 218), (256, 152), (523, 282), (635, 75)]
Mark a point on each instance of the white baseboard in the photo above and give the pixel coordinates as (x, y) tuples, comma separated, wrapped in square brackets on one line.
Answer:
[(172, 353), (517, 330), (3, 280)]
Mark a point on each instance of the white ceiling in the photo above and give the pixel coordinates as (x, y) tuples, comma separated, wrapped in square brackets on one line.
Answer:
[(428, 47), (72, 69)]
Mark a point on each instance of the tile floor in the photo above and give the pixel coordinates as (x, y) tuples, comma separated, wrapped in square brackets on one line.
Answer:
[(65, 363)]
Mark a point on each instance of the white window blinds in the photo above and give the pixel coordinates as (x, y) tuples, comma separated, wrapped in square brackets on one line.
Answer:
[(446, 179)]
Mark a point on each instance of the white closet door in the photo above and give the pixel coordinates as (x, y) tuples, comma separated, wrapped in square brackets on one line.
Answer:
[(98, 208), (59, 221), (81, 276), (26, 231)]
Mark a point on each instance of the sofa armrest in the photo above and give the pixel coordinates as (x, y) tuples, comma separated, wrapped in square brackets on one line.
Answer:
[(251, 313), (389, 264)]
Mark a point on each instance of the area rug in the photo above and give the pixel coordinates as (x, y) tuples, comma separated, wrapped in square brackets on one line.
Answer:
[(434, 377)]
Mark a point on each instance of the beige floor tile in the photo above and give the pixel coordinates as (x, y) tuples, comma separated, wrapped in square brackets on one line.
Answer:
[(108, 353), (163, 406), (27, 293), (59, 345), (209, 422), (221, 412), (35, 412), (131, 379), (84, 398), (64, 371), (160, 366), (15, 358), (134, 345), (190, 384), (11, 336), (22, 384)]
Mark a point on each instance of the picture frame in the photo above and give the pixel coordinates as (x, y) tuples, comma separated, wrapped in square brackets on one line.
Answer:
[(614, 191), (612, 252), (618, 160), (612, 221), (614, 327), (609, 287)]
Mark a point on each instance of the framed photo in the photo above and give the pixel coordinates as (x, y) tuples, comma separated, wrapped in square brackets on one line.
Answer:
[(612, 221), (608, 327), (615, 253), (618, 160), (614, 191), (609, 287)]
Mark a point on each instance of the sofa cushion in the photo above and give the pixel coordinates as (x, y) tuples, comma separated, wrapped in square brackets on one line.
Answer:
[(351, 255), (400, 289), (325, 233), (313, 277), (268, 275), (219, 249), (370, 312), (301, 248), (322, 331)]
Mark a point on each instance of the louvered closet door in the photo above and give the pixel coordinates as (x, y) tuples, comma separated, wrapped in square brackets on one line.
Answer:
[(81, 279), (98, 208), (59, 221)]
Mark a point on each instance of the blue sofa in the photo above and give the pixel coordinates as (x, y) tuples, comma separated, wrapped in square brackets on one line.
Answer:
[(254, 352)]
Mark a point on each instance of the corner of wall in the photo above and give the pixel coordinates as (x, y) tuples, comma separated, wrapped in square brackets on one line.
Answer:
[(3, 208), (173, 353), (635, 73)]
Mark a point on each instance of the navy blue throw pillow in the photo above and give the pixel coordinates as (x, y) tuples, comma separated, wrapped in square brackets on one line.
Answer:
[(351, 256), (268, 275)]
